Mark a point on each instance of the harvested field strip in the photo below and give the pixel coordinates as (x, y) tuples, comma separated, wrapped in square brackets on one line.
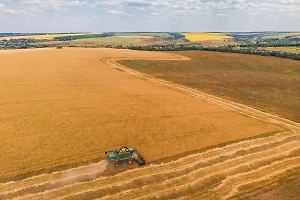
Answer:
[(186, 173), (288, 183), (50, 183), (210, 154), (206, 165), (227, 189), (194, 183), (192, 175)]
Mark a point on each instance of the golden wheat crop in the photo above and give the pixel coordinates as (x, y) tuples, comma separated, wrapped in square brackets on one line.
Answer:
[(62, 107), (193, 37)]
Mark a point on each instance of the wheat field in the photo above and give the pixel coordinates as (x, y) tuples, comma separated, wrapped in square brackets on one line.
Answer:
[(195, 37), (62, 108)]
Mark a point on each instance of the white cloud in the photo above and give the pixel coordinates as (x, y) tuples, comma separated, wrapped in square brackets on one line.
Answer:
[(35, 10), (55, 4), (92, 5), (172, 5), (221, 15), (197, 15), (279, 7), (195, 8), (133, 2), (255, 13), (230, 5), (178, 4), (118, 13), (4, 10), (26, 11), (152, 4), (292, 2)]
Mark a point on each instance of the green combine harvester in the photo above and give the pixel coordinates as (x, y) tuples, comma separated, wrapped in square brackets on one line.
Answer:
[(124, 155)]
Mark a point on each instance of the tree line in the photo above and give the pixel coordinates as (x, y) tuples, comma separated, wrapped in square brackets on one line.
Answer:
[(22, 43), (227, 48), (271, 45)]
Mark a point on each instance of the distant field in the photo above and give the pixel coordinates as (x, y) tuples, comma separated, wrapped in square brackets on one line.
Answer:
[(194, 37), (129, 39), (46, 36), (141, 34), (267, 83), (51, 36), (283, 49), (110, 39), (217, 43), (281, 35)]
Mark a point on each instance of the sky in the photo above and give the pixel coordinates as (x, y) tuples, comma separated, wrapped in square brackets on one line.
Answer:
[(43, 16)]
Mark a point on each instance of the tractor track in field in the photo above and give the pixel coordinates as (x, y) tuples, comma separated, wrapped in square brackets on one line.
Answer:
[(218, 173)]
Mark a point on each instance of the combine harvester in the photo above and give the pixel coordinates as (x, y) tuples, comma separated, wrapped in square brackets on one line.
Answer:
[(124, 155)]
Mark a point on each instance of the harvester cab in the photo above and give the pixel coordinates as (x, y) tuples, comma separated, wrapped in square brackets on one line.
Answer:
[(123, 155)]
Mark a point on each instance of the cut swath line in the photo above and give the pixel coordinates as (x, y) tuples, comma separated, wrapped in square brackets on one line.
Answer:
[(178, 164), (219, 168), (170, 170), (209, 153), (181, 187)]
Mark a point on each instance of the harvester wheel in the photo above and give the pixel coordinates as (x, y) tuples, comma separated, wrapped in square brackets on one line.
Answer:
[(117, 165), (130, 162)]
